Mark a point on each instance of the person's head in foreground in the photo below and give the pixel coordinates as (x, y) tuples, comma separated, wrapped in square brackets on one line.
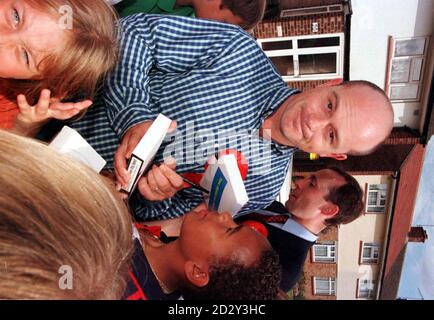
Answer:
[(64, 234), (334, 120), (65, 46), (245, 13), (216, 259), (326, 198)]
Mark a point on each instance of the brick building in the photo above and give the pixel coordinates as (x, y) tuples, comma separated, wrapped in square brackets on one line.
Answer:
[(320, 270), (308, 48)]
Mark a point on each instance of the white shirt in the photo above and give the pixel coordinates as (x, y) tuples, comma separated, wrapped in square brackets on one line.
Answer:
[(136, 234), (292, 226)]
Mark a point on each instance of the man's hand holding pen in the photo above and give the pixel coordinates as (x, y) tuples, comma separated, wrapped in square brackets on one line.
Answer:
[(162, 182)]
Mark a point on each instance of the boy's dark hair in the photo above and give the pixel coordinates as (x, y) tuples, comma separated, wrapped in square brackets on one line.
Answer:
[(235, 281), (349, 198), (251, 11)]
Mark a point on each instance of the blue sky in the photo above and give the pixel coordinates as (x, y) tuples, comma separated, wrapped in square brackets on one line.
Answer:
[(417, 279)]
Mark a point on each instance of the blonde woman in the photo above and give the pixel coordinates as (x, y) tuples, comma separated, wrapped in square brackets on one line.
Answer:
[(64, 234), (52, 48)]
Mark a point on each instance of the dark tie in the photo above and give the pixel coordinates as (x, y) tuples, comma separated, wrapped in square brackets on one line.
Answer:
[(276, 218)]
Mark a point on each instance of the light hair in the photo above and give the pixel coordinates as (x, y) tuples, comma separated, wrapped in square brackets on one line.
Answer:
[(89, 54), (56, 212)]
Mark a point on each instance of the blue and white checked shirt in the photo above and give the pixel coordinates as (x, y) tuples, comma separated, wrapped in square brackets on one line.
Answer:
[(215, 81)]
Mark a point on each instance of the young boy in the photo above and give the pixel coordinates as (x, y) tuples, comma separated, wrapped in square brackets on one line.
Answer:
[(245, 13), (212, 259)]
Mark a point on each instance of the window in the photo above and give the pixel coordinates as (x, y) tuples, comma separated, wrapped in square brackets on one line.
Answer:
[(366, 289), (306, 57), (322, 63), (324, 252), (406, 68), (370, 253), (324, 286), (376, 198), (294, 12)]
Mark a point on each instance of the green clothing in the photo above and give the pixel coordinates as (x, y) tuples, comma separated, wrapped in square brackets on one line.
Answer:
[(128, 7)]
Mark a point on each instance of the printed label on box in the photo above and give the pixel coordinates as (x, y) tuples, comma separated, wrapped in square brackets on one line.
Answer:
[(218, 186), (134, 170)]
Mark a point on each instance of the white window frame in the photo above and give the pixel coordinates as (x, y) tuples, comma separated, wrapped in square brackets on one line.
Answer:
[(375, 247), (331, 252), (379, 198), (308, 11), (366, 289), (331, 284), (295, 52), (413, 62)]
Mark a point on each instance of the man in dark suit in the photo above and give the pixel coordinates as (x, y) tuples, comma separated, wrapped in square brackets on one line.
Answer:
[(326, 198)]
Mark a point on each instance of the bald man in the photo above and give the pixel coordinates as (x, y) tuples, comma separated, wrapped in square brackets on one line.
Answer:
[(334, 120), (224, 93)]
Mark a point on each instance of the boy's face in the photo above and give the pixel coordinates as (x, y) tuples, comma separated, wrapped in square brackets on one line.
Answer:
[(27, 36), (212, 10), (208, 235)]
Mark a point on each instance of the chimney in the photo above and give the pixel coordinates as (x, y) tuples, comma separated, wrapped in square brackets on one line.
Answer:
[(417, 234)]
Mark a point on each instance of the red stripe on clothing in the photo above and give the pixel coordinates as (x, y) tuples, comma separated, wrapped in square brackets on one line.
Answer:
[(139, 294)]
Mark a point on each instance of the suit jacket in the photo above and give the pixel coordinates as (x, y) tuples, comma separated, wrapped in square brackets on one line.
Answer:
[(292, 249), (292, 252)]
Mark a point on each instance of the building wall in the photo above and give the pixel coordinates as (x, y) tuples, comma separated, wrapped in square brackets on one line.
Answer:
[(315, 269), (300, 26), (428, 80), (373, 22), (368, 228), (306, 85), (402, 217)]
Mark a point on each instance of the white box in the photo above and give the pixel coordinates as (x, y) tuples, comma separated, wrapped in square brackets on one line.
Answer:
[(225, 184), (71, 143), (145, 151)]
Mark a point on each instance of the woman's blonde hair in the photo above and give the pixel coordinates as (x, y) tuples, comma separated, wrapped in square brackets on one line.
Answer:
[(57, 215), (90, 51)]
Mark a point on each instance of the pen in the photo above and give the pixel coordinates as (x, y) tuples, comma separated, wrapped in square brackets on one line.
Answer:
[(194, 185)]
